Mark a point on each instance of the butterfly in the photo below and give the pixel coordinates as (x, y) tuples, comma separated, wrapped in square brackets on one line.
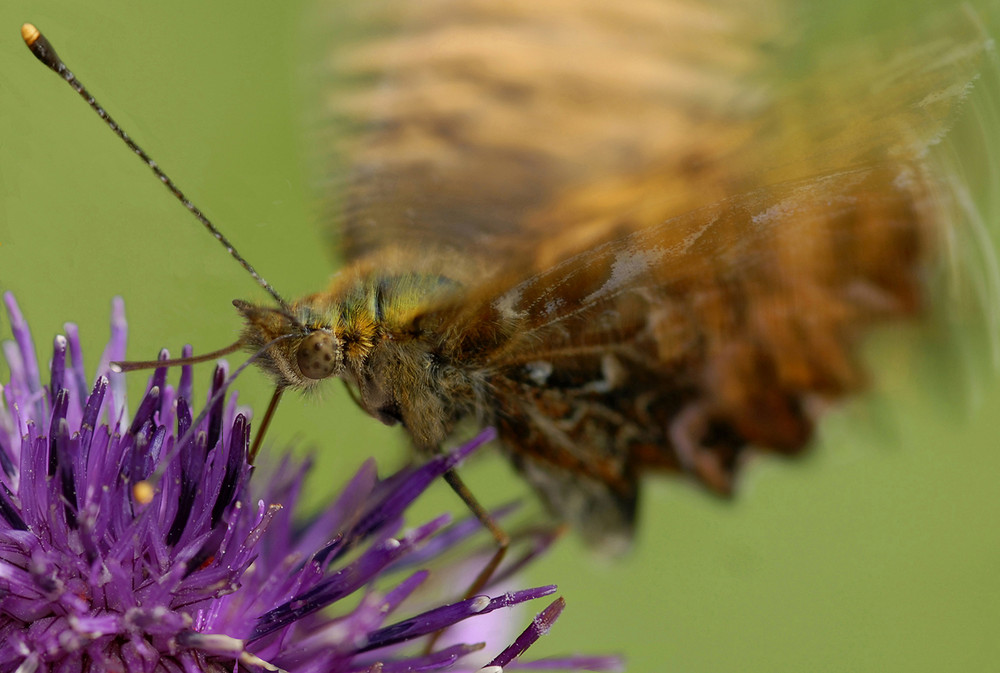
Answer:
[(634, 237)]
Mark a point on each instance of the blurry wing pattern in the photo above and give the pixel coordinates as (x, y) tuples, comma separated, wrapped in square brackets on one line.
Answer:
[(479, 115), (680, 345), (686, 215)]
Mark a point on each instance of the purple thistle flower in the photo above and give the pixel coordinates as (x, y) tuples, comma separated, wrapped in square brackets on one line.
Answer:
[(211, 573)]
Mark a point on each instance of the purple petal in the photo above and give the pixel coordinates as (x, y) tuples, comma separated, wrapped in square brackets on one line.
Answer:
[(540, 625), (401, 496), (439, 619), (78, 375), (26, 359), (57, 371)]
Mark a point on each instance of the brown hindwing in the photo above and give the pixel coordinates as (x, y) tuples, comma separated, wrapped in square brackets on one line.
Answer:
[(681, 345)]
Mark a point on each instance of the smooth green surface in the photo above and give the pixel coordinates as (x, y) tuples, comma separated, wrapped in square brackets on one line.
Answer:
[(877, 553)]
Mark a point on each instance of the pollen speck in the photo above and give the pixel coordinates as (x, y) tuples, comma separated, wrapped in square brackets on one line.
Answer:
[(143, 492)]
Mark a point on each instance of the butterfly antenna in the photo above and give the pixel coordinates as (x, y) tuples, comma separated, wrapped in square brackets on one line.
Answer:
[(44, 52), (133, 365)]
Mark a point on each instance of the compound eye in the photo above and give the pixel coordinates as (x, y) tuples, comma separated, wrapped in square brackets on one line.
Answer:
[(318, 355)]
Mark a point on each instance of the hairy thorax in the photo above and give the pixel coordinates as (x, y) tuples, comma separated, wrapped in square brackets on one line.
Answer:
[(385, 335)]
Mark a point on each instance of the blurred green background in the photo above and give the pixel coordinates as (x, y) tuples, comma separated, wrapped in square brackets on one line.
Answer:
[(878, 552)]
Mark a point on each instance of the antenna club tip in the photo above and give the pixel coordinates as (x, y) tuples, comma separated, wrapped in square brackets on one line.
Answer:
[(30, 34)]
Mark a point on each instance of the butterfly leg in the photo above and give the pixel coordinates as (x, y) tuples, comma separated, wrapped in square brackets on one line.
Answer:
[(499, 535), (265, 422), (687, 431)]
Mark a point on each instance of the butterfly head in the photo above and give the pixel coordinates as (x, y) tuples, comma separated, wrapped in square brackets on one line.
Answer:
[(295, 355)]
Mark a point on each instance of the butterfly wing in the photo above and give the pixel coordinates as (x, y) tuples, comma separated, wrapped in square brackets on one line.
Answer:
[(683, 228), (678, 346), (460, 124)]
